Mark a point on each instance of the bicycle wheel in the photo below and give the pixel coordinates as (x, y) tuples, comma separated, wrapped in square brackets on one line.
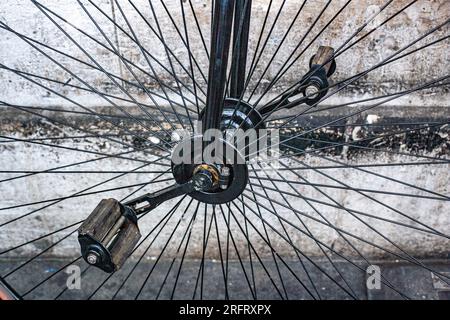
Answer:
[(340, 193)]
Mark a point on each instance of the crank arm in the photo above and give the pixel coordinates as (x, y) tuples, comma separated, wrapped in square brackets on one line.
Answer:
[(150, 201), (285, 102), (314, 85), (203, 179)]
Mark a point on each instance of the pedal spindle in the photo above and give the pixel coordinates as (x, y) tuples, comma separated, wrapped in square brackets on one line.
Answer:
[(108, 236), (322, 66)]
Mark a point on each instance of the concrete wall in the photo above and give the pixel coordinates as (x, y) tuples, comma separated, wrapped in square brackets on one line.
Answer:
[(408, 72)]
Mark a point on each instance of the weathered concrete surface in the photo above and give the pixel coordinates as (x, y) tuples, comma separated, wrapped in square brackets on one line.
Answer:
[(405, 28)]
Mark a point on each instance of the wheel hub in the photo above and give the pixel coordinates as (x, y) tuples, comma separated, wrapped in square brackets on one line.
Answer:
[(229, 178), (230, 173)]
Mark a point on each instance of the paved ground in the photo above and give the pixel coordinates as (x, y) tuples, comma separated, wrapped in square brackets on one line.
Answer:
[(414, 282)]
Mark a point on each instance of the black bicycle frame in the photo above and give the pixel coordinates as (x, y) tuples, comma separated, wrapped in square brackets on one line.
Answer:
[(241, 29), (222, 28)]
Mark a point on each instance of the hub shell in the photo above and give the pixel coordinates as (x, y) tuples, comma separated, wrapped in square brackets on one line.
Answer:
[(236, 114)]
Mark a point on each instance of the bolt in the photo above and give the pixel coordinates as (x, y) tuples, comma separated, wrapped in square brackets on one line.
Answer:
[(92, 258), (225, 171), (203, 181), (311, 92)]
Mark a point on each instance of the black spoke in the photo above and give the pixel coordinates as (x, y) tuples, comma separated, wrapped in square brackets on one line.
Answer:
[(164, 248), (44, 11), (320, 242), (172, 67), (311, 235), (191, 56), (72, 195)]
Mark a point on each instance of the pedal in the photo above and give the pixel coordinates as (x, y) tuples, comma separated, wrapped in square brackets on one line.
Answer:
[(108, 236), (110, 233)]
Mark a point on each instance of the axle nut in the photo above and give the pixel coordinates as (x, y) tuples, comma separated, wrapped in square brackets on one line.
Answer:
[(92, 257)]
